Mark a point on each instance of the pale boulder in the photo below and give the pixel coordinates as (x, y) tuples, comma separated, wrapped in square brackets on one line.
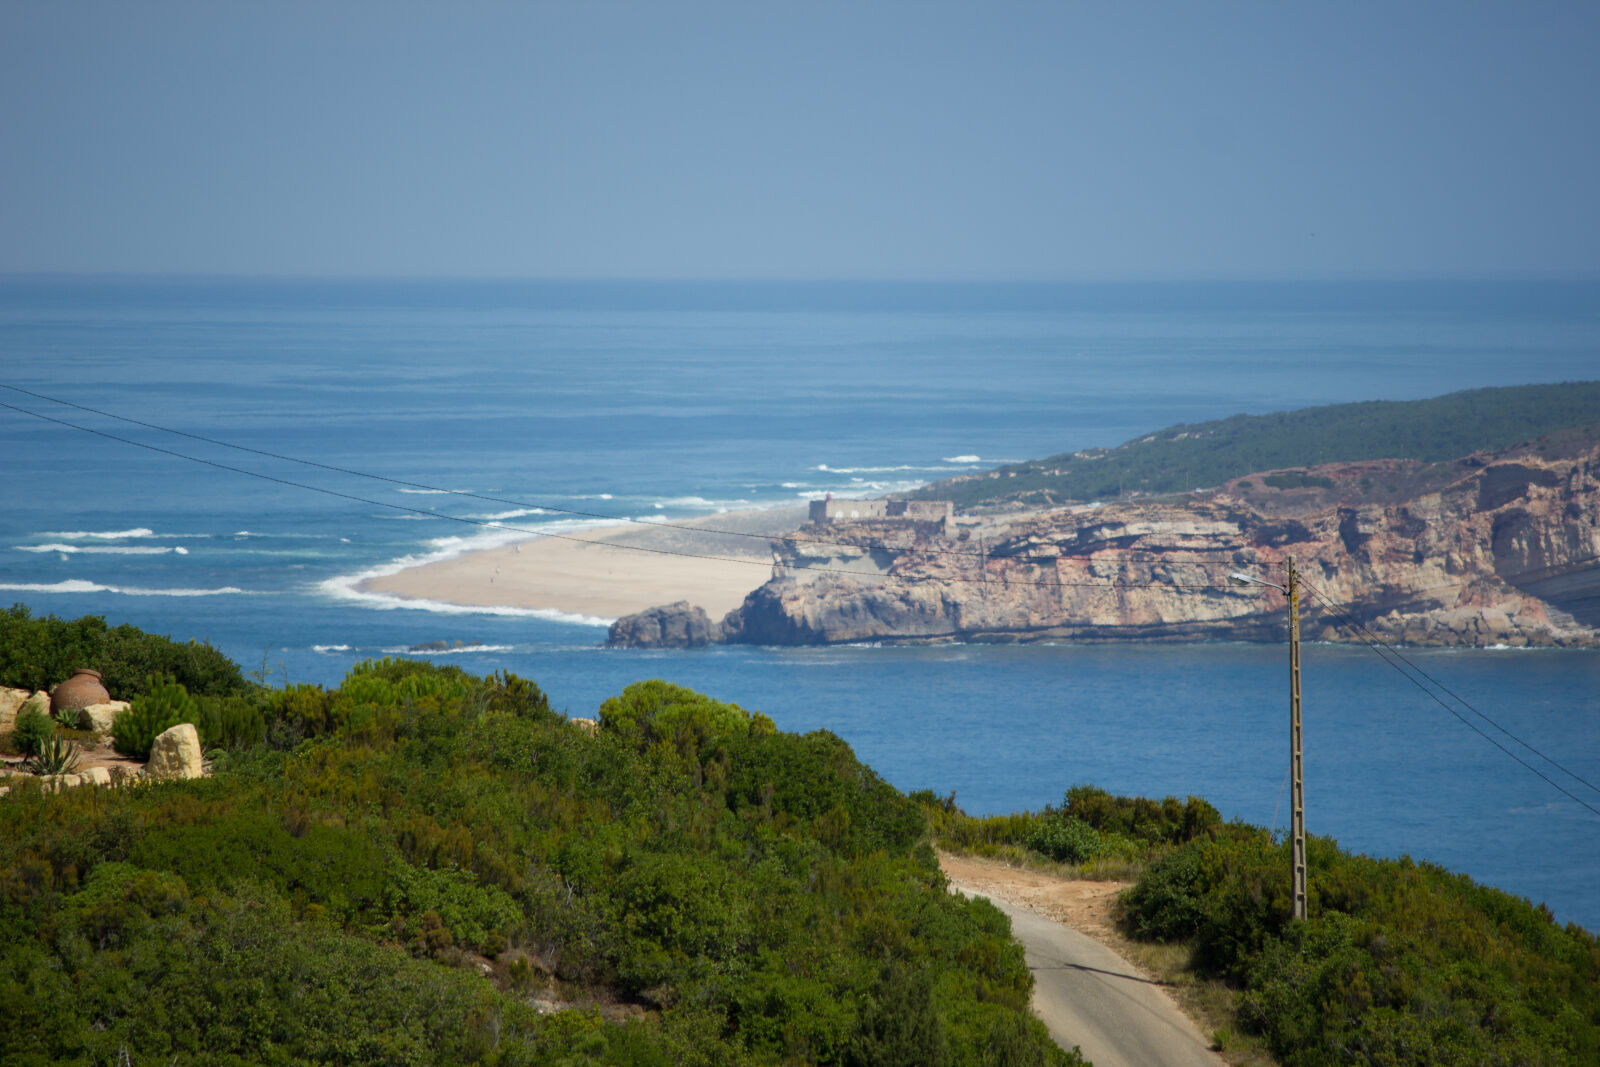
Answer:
[(100, 717), (96, 776), (175, 754), (10, 703)]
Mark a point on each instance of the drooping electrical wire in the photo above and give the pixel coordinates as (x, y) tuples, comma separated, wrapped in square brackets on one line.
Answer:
[(1394, 658), (578, 513), (656, 550)]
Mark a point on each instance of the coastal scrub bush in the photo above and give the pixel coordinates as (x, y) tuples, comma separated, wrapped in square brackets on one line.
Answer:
[(33, 728), (128, 659), (164, 704), (1398, 962), (1066, 840), (656, 711), (769, 900), (230, 722), (518, 696), (475, 916), (302, 709), (36, 653), (1167, 821)]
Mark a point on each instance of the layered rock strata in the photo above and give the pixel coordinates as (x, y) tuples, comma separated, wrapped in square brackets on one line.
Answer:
[(1494, 549)]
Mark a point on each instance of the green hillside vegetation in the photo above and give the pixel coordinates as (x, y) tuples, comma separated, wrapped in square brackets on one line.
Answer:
[(1399, 962), (1184, 457), (423, 867)]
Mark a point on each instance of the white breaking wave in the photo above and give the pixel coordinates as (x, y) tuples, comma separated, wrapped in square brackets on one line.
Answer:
[(101, 535), (859, 486), (701, 502), (897, 469), (330, 648), (960, 459), (344, 588), (103, 550), (137, 533), (78, 585), (463, 650), (502, 515)]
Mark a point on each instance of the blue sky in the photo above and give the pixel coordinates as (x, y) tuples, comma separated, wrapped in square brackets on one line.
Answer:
[(904, 140)]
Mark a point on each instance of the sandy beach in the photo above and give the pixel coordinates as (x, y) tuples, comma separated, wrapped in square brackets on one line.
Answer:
[(611, 571)]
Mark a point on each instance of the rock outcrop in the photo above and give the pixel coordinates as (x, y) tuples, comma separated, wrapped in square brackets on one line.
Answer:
[(677, 625), (175, 753), (1493, 549), (11, 701), (101, 717)]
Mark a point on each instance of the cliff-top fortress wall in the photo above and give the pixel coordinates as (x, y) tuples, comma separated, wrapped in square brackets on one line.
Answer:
[(939, 513)]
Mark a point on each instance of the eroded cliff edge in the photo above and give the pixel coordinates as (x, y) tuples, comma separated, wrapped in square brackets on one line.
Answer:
[(1497, 548)]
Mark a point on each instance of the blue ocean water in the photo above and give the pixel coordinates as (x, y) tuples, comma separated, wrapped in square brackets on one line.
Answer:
[(573, 404)]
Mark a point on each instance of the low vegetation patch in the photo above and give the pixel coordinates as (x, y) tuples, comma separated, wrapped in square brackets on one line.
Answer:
[(1189, 456), (1399, 962), (425, 867), (1093, 834)]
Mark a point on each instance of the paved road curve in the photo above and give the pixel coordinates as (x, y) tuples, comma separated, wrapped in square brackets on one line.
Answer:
[(1090, 997)]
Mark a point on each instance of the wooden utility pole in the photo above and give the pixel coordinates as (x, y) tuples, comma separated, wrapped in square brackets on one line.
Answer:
[(1297, 796), (1297, 793)]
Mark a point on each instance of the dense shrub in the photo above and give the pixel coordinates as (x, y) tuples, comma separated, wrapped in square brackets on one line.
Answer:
[(766, 896), (230, 722), (1066, 840), (1091, 825), (33, 728), (36, 653), (1167, 821), (652, 712), (164, 704), (1398, 962)]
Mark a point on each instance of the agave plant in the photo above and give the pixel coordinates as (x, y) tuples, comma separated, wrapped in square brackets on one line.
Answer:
[(56, 755)]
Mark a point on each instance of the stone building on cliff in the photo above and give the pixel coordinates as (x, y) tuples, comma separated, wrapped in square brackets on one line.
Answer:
[(940, 513)]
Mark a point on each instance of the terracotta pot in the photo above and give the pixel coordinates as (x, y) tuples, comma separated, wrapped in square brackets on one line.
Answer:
[(79, 691)]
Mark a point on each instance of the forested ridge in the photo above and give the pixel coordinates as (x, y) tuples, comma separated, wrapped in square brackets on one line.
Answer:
[(1201, 455)]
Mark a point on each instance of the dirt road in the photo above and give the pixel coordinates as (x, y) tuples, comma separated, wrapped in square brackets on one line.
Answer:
[(1084, 992)]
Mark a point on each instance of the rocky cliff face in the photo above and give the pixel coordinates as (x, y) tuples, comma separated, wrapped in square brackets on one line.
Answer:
[(1499, 548)]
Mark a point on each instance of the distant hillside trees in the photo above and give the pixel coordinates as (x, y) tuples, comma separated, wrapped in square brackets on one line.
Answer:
[(1184, 457)]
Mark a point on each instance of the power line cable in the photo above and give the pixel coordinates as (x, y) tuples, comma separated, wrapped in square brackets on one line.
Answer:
[(1373, 638), (556, 509), (495, 525), (1372, 641), (1376, 644)]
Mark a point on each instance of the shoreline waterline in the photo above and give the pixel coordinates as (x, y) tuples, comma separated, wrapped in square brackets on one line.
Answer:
[(598, 574)]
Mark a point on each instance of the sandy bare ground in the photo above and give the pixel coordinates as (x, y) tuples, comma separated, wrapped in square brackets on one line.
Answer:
[(1082, 905), (95, 753), (608, 572)]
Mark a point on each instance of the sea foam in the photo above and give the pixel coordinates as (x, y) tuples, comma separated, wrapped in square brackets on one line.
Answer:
[(78, 585)]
